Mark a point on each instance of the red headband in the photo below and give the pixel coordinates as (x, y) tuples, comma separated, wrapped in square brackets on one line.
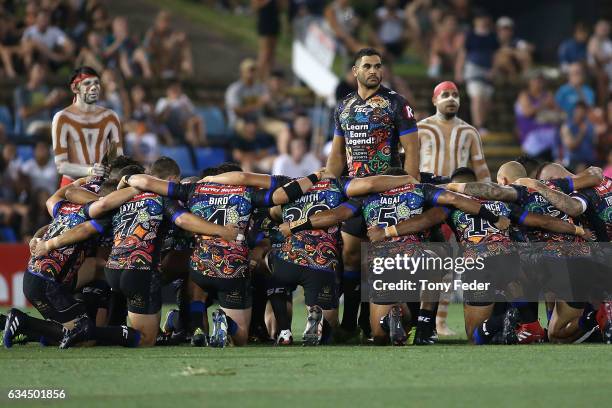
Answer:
[(81, 77), (444, 86)]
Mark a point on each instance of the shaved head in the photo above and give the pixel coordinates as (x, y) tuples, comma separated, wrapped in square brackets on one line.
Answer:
[(553, 171), (509, 172)]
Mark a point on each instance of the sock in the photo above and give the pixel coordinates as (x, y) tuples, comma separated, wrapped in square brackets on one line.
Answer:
[(36, 328), (279, 306), (526, 310), (232, 327), (326, 333), (95, 295), (384, 323), (425, 319), (582, 321), (549, 315), (117, 336), (351, 282), (117, 313), (364, 319), (197, 309), (485, 332), (413, 307), (258, 322), (182, 320)]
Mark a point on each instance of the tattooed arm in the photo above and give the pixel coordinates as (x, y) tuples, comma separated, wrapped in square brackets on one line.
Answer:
[(487, 191), (564, 203)]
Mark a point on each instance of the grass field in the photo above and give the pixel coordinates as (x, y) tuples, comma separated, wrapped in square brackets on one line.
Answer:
[(448, 374)]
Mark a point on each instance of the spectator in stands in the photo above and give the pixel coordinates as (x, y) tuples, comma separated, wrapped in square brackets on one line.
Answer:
[(34, 102), (280, 105), (474, 65), (599, 56), (9, 44), (142, 145), (122, 52), (177, 113), (344, 22), (300, 128), (514, 56), (92, 54), (601, 117), (391, 28), (10, 165), (114, 96), (46, 43), (574, 49), (423, 19), (537, 119), (268, 29), (35, 215), (445, 46), (253, 150), (574, 90), (100, 20), (142, 111), (245, 100), (168, 49), (578, 138), (347, 84), (298, 163), (608, 169), (41, 170)]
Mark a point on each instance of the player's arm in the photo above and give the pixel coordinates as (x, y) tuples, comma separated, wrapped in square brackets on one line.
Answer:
[(479, 164), (80, 233), (408, 133), (436, 196), (563, 202), (198, 225), (37, 237), (337, 157), (80, 195), (590, 177), (487, 191), (421, 222), (144, 182), (375, 184), (60, 195), (322, 219), (240, 178), (111, 201), (555, 225)]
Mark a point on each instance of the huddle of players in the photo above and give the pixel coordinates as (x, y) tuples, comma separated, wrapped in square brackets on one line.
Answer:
[(286, 233)]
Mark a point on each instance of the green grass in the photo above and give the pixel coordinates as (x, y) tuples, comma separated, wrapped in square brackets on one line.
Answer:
[(448, 374)]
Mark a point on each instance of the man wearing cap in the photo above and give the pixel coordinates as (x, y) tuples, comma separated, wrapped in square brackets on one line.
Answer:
[(245, 100), (513, 57), (448, 142), (83, 133)]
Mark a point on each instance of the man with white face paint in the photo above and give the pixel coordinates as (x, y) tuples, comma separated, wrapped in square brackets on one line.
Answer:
[(448, 142), (84, 132)]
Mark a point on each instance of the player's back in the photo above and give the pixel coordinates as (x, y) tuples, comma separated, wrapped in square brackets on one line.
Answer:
[(317, 248)]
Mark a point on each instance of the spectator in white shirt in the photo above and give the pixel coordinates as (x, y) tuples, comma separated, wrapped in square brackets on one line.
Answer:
[(298, 163), (177, 113), (42, 41), (41, 169)]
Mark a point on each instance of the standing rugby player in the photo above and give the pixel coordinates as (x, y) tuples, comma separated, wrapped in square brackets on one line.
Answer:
[(370, 123), (83, 132)]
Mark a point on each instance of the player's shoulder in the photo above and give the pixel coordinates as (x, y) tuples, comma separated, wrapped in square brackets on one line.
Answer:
[(347, 99), (391, 94)]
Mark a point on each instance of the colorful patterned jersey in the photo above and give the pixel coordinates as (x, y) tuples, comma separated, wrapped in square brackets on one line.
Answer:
[(317, 248), (534, 202), (396, 205), (62, 264), (478, 236), (138, 229), (222, 204), (371, 129), (262, 226), (598, 201)]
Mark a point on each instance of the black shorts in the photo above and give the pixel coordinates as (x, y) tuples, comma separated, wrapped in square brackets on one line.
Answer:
[(355, 226), (53, 300), (142, 288), (493, 273), (231, 293), (320, 287)]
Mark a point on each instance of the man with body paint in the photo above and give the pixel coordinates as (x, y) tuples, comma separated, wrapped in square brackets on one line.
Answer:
[(83, 132)]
